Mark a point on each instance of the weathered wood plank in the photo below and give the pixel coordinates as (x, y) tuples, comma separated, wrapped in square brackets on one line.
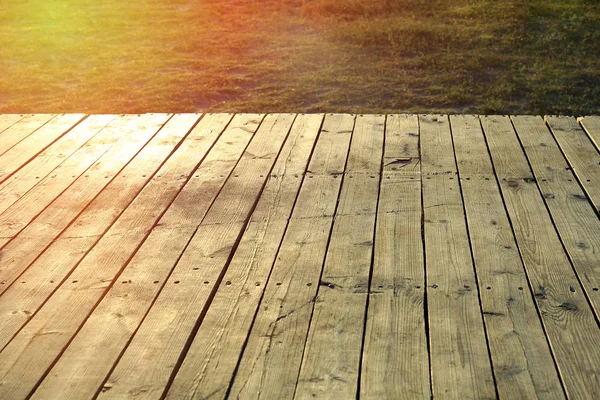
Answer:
[(362, 176), (28, 148), (574, 217), (210, 363), (45, 163), (521, 358), (591, 125), (30, 240), (86, 159), (460, 364), (158, 347), (22, 129), (225, 278), (90, 356), (566, 315), (48, 271), (272, 357), (395, 360), (8, 120), (325, 170), (580, 152), (331, 361), (50, 330)]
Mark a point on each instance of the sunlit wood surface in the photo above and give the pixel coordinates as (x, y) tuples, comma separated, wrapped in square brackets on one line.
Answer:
[(299, 256)]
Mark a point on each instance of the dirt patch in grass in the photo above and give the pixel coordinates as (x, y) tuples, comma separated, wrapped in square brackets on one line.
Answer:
[(385, 56)]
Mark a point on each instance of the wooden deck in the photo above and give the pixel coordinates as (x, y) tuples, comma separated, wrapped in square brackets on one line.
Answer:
[(299, 256)]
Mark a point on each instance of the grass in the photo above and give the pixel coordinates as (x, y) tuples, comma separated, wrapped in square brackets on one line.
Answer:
[(367, 56)]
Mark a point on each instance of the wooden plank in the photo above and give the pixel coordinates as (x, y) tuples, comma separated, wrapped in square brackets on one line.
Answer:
[(22, 129), (32, 239), (211, 358), (460, 364), (68, 308), (19, 214), (566, 315), (521, 358), (329, 139), (591, 125), (31, 174), (581, 154), (272, 357), (90, 356), (45, 274), (28, 148), (156, 350), (331, 360), (8, 120), (324, 172), (62, 164), (395, 360), (574, 217), (361, 180), (210, 363)]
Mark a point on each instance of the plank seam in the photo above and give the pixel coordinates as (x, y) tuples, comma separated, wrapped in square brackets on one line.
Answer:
[(219, 279), (70, 272), (425, 302), (17, 121), (56, 167), (85, 207), (477, 281), (564, 247), (11, 238), (163, 284), (289, 219), (372, 265), (588, 133), (105, 230), (71, 184), (43, 149), (572, 167), (59, 355), (325, 257), (512, 228), (31, 133)]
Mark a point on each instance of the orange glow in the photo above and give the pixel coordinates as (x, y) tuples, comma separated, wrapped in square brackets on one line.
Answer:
[(101, 56)]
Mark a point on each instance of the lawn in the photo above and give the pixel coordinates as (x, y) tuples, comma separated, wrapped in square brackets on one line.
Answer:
[(367, 56)]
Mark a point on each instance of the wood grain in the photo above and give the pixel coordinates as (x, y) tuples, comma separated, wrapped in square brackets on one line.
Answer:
[(582, 156), (19, 131), (181, 305), (49, 331), (521, 358), (107, 330), (272, 357), (51, 215), (7, 120), (331, 360), (573, 215), (460, 364), (566, 315), (299, 256), (395, 360), (591, 125), (24, 151), (47, 272), (213, 356), (47, 161)]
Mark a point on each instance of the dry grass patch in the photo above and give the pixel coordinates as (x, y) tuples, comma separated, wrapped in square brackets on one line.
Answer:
[(517, 56)]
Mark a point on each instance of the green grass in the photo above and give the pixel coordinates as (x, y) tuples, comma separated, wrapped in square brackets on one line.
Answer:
[(367, 56)]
